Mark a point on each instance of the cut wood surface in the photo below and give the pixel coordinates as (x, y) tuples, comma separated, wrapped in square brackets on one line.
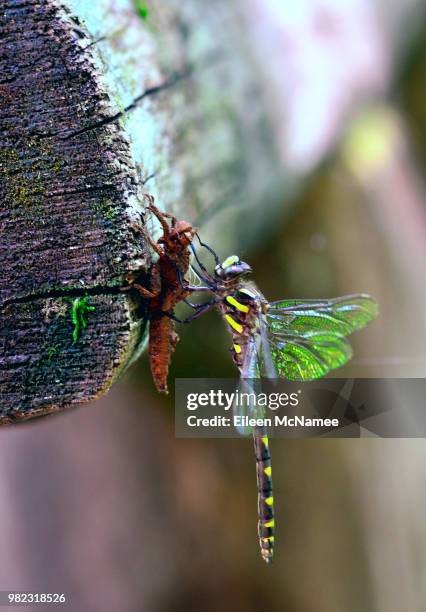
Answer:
[(96, 106)]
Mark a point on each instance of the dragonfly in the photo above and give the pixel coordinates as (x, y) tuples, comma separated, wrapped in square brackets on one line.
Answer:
[(299, 340), (165, 290)]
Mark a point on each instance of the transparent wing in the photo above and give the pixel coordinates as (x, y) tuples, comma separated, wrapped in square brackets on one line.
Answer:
[(193, 278), (248, 388), (250, 367), (308, 338), (341, 315), (266, 362)]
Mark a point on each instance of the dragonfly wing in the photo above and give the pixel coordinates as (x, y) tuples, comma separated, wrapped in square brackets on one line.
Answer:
[(308, 338), (249, 386), (308, 355), (267, 366), (249, 369), (341, 315)]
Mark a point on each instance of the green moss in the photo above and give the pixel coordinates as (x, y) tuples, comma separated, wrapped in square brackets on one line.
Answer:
[(79, 310), (51, 352), (25, 172), (105, 209), (141, 9), (109, 212)]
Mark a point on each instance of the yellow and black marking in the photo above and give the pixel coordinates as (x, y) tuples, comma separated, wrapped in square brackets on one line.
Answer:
[(240, 310), (237, 312), (266, 524), (236, 304), (234, 324)]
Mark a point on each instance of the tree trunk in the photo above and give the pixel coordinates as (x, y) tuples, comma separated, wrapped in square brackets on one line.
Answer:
[(96, 106)]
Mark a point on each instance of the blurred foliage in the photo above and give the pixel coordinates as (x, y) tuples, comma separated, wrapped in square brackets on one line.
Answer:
[(337, 236), (409, 90)]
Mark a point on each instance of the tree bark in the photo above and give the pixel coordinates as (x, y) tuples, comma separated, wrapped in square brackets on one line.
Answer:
[(97, 107)]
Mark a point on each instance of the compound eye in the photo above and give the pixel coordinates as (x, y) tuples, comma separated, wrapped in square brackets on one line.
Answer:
[(229, 268)]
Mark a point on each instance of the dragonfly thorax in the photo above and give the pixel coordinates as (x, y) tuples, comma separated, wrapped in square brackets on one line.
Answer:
[(241, 309)]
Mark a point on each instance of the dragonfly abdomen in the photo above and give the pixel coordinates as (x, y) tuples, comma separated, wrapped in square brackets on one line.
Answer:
[(266, 524)]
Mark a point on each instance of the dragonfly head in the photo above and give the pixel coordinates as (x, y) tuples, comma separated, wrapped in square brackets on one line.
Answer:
[(231, 268)]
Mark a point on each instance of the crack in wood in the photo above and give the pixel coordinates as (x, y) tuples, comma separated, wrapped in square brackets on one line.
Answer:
[(151, 91), (149, 177), (96, 42), (173, 80)]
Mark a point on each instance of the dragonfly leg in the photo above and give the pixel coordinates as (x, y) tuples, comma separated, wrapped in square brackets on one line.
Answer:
[(198, 306), (200, 311), (206, 276), (191, 304), (194, 288), (206, 246)]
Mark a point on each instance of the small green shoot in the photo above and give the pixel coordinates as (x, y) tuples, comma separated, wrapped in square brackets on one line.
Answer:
[(80, 308), (141, 9)]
